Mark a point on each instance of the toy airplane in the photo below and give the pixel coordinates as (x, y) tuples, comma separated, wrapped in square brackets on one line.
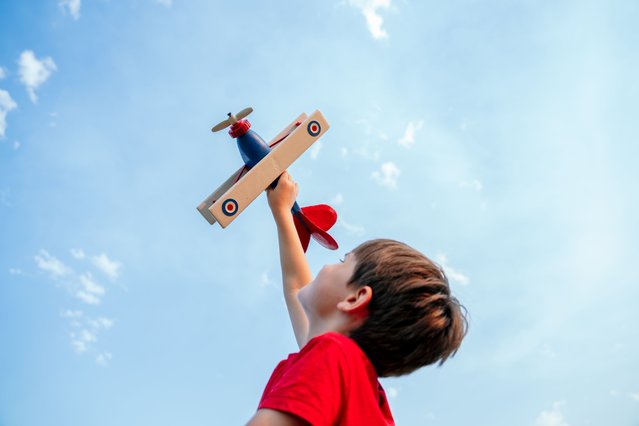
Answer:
[(263, 164)]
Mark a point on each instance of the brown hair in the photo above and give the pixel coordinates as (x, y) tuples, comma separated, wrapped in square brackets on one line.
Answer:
[(413, 320)]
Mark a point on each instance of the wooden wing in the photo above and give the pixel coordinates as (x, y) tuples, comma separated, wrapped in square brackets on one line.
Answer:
[(208, 201), (230, 204)]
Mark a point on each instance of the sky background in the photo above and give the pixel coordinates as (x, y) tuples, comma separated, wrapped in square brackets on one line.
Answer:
[(498, 137)]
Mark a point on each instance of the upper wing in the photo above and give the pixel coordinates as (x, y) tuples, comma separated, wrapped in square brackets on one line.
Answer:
[(288, 129), (239, 196), (208, 201)]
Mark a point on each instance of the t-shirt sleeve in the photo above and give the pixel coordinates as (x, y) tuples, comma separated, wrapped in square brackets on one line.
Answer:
[(312, 387)]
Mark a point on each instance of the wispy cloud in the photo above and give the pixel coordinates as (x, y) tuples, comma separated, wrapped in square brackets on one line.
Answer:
[(83, 286), (374, 21), (50, 264), (103, 359), (72, 6), (337, 200), (110, 267), (408, 139), (3, 73), (85, 332), (77, 253), (634, 396), (353, 229), (452, 273), (266, 281), (552, 417), (90, 291), (473, 184), (81, 340), (15, 271), (6, 104), (34, 72), (392, 392), (316, 149), (387, 175), (166, 3)]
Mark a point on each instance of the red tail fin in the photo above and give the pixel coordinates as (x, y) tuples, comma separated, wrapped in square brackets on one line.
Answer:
[(314, 221)]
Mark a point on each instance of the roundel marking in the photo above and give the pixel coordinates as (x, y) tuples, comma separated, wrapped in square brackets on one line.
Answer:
[(314, 128), (229, 207)]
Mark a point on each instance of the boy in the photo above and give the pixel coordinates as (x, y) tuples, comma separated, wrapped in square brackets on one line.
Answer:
[(385, 310)]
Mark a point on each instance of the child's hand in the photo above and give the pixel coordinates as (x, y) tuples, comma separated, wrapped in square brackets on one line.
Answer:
[(282, 198)]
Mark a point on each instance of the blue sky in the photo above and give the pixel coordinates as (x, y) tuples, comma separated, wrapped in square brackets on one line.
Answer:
[(499, 138)]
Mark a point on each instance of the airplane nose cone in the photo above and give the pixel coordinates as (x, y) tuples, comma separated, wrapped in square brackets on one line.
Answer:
[(239, 128)]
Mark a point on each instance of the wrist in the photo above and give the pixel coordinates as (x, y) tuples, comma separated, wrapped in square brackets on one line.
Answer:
[(281, 214)]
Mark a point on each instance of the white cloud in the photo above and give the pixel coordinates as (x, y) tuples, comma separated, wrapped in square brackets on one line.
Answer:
[(110, 267), (374, 21), (82, 341), (90, 291), (266, 281), (48, 263), (316, 149), (85, 330), (344, 152), (387, 175), (3, 73), (90, 286), (552, 417), (105, 323), (408, 139), (452, 274), (634, 396), (392, 392), (15, 271), (72, 314), (337, 200), (77, 253), (72, 6), (103, 359), (88, 298), (34, 72), (473, 184), (16, 145), (353, 229), (6, 104)]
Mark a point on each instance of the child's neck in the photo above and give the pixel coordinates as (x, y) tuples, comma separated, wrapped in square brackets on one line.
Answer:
[(337, 323)]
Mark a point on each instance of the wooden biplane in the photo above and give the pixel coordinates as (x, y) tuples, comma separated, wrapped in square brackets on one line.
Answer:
[(263, 164)]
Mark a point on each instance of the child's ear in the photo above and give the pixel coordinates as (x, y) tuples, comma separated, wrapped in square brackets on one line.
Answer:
[(357, 301)]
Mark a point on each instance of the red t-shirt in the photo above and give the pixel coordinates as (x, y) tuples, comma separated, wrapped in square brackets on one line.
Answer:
[(329, 382)]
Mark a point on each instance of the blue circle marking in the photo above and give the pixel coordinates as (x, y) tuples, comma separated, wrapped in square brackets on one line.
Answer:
[(229, 207), (314, 128)]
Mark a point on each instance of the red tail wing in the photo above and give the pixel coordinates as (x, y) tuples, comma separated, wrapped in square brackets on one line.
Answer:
[(322, 215), (302, 232), (314, 221)]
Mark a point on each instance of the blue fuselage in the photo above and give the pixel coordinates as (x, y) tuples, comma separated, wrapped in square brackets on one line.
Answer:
[(252, 148)]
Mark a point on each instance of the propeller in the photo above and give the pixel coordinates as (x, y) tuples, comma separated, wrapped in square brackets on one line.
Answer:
[(232, 119)]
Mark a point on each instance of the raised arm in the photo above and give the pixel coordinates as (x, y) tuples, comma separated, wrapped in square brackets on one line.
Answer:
[(295, 270)]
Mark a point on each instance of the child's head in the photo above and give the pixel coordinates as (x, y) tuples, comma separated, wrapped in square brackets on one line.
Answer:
[(413, 320)]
